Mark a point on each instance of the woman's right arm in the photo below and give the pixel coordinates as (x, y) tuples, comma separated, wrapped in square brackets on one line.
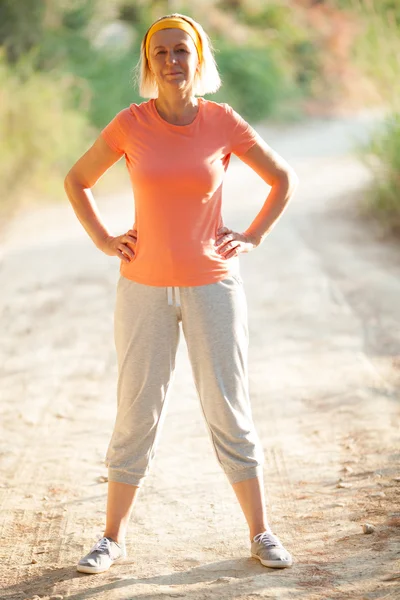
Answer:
[(78, 183)]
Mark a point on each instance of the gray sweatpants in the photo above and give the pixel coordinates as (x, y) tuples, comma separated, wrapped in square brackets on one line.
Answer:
[(214, 322)]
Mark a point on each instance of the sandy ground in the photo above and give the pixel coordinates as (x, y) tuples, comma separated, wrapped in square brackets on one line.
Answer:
[(324, 314)]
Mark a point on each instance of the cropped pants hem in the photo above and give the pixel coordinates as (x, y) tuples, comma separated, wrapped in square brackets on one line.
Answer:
[(120, 476), (243, 474)]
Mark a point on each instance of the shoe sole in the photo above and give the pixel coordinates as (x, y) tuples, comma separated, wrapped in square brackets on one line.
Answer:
[(94, 570), (273, 563)]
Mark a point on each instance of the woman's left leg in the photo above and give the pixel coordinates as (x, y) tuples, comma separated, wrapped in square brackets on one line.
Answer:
[(250, 494), (214, 320)]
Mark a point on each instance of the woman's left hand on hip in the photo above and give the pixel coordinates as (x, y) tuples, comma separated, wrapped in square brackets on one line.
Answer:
[(231, 243)]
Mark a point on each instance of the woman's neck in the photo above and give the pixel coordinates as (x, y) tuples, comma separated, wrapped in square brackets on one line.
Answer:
[(177, 110)]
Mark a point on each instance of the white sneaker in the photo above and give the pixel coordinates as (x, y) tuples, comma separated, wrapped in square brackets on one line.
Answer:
[(104, 553), (268, 549)]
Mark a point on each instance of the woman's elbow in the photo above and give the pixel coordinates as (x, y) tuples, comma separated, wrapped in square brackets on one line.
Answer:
[(289, 179), (73, 186), (293, 179), (67, 181), (74, 179)]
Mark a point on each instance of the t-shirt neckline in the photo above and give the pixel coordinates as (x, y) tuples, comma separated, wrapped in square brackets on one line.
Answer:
[(172, 125)]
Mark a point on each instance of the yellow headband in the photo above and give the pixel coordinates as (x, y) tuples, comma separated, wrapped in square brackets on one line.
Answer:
[(175, 23)]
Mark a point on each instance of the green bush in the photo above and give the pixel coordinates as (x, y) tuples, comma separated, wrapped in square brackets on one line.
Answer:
[(377, 51), (380, 6), (377, 48), (266, 16), (289, 45), (110, 81), (21, 27), (39, 134), (254, 81), (382, 156)]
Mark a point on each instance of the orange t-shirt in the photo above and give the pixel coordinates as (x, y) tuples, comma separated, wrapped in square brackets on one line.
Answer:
[(177, 173)]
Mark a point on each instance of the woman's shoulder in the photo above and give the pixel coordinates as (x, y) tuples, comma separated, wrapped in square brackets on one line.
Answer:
[(138, 109), (132, 112), (222, 110), (217, 107)]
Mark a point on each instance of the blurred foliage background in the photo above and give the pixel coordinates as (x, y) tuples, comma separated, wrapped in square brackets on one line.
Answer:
[(66, 70)]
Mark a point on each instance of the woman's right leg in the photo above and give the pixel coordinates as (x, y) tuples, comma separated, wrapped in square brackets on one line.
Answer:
[(146, 339), (120, 500)]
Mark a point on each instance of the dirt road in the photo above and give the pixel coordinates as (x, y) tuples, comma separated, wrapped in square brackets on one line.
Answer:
[(324, 315)]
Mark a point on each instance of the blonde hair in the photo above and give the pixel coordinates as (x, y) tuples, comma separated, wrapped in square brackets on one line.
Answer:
[(206, 80)]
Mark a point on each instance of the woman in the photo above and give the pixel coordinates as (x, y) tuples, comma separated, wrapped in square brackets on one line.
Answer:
[(179, 263)]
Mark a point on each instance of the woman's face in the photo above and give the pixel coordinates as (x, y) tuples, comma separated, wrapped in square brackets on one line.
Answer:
[(173, 58)]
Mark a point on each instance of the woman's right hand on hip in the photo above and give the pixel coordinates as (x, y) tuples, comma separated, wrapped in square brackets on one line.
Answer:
[(120, 245)]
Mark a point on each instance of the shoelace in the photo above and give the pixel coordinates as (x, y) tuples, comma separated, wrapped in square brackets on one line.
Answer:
[(269, 539), (103, 544)]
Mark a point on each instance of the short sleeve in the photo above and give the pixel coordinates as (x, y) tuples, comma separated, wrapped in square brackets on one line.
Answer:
[(242, 136), (115, 133)]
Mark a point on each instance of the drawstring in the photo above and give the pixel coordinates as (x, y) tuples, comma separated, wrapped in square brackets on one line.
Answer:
[(173, 291), (177, 297)]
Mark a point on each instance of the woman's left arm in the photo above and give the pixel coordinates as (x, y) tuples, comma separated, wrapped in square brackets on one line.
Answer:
[(276, 172)]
